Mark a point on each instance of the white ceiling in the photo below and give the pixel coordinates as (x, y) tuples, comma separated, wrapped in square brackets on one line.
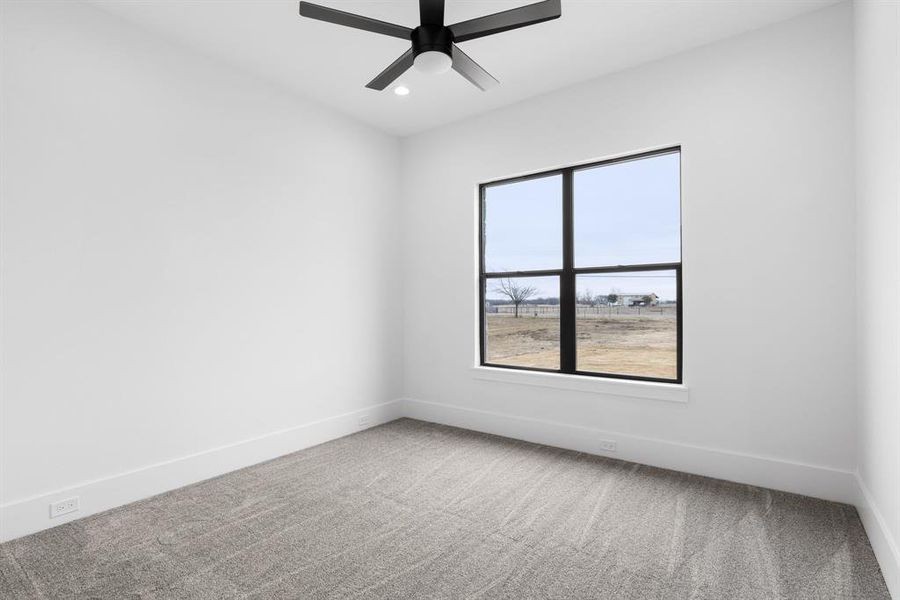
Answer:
[(332, 64)]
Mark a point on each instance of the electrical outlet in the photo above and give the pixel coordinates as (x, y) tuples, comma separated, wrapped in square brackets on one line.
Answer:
[(64, 507), (364, 421), (607, 446)]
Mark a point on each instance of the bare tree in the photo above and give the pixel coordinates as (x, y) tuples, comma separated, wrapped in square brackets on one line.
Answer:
[(587, 297), (515, 291)]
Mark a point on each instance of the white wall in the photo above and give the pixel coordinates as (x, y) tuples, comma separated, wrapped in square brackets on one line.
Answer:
[(765, 124), (191, 258), (877, 45)]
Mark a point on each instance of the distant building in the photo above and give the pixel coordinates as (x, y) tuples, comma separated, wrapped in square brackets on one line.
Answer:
[(650, 299)]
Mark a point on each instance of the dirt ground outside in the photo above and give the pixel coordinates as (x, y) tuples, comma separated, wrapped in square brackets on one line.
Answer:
[(626, 344)]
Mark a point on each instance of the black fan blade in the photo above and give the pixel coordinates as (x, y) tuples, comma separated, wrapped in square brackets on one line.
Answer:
[(397, 68), (506, 20), (339, 17), (431, 12), (471, 70)]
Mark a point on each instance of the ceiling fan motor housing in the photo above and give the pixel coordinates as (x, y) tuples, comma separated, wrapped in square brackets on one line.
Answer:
[(432, 38)]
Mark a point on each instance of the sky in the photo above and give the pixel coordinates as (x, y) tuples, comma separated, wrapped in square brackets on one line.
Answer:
[(625, 213)]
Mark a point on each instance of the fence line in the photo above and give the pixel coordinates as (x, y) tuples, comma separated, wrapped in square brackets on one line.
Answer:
[(545, 310)]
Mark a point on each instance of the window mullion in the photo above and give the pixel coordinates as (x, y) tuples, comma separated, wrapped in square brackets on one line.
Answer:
[(567, 299), (679, 324)]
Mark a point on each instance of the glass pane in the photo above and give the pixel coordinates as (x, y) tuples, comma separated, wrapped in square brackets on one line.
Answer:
[(523, 225), (628, 213), (627, 324), (521, 315)]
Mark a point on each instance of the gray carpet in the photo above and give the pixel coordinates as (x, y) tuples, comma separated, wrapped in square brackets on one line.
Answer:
[(416, 510)]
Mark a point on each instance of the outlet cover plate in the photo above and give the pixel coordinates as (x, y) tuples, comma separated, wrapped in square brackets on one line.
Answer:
[(63, 507), (607, 446)]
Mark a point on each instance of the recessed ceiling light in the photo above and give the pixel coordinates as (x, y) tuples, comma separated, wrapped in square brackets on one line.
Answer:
[(401, 90)]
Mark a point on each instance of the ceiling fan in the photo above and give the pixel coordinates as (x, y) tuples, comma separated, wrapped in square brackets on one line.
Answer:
[(434, 45)]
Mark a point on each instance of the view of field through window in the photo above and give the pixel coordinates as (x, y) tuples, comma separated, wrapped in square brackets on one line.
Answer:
[(527, 336), (626, 254), (631, 328)]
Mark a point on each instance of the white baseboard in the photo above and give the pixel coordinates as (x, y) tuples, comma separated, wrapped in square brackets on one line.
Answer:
[(799, 478), (883, 543), (32, 514)]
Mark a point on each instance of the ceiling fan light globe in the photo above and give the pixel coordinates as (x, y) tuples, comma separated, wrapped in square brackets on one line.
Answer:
[(433, 62)]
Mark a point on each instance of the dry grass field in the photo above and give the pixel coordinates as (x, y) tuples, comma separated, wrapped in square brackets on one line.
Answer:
[(626, 344)]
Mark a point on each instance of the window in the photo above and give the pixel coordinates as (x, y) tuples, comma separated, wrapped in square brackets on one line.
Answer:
[(580, 269)]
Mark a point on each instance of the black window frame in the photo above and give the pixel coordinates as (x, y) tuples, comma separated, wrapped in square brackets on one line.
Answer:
[(568, 273)]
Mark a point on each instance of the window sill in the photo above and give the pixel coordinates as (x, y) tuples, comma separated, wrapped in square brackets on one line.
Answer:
[(668, 392)]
